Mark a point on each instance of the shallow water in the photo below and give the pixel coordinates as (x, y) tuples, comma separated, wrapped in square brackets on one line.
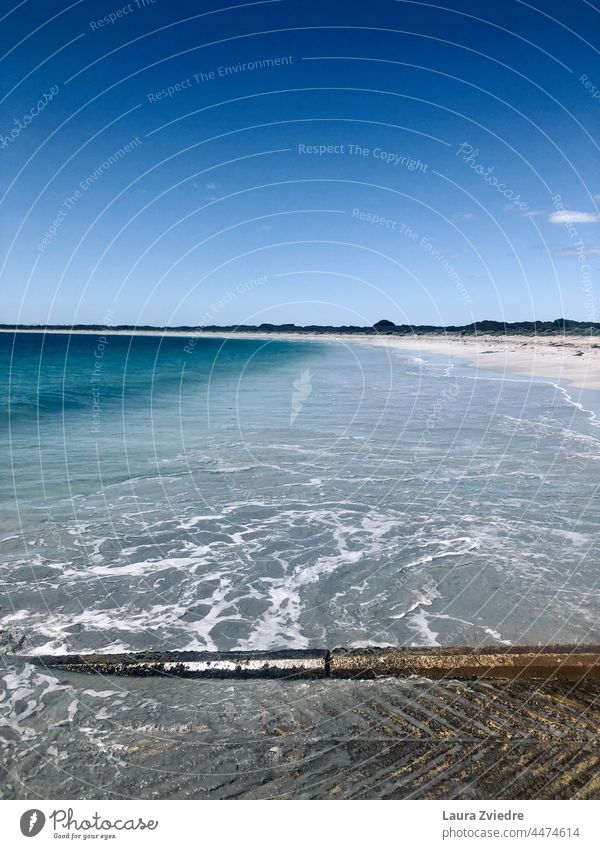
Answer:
[(263, 493)]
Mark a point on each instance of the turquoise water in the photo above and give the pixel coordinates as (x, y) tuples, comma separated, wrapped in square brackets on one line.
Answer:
[(158, 493)]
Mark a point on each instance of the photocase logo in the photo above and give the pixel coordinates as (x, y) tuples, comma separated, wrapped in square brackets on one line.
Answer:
[(32, 822), (302, 389)]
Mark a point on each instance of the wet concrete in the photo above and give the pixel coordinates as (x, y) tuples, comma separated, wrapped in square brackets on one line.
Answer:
[(568, 663), (290, 664), (564, 662), (66, 735)]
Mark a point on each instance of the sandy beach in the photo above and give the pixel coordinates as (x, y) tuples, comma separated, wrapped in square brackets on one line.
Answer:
[(564, 359)]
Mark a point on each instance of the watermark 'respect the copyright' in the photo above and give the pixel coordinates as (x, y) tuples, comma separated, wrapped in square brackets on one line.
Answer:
[(389, 157)]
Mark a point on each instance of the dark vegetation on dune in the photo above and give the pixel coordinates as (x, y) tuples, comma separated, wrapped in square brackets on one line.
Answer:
[(558, 327)]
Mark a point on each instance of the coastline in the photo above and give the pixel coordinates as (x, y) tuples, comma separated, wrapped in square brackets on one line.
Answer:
[(563, 359), (571, 359)]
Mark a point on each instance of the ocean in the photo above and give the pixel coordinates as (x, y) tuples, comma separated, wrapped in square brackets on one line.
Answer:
[(166, 493)]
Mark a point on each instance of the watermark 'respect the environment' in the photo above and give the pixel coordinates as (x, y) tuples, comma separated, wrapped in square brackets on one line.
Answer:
[(88, 181), (423, 242), (591, 87), (202, 77), (121, 12)]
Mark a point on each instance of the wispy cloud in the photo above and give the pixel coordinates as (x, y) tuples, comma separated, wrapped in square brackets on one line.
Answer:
[(533, 213), (572, 216), (578, 251), (463, 216)]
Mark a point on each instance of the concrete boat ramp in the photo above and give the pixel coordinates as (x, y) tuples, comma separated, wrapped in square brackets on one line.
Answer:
[(483, 723), (495, 662)]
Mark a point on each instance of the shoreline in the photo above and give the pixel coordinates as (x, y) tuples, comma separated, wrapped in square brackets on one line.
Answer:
[(565, 359), (571, 359)]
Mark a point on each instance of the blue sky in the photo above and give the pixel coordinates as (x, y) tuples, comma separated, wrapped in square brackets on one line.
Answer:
[(299, 161)]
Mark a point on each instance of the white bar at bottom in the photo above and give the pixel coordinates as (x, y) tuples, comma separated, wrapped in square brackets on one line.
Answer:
[(308, 824)]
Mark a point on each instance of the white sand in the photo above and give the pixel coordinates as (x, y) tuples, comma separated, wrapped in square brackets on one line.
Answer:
[(563, 359)]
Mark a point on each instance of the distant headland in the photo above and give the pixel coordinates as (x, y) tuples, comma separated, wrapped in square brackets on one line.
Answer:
[(558, 327)]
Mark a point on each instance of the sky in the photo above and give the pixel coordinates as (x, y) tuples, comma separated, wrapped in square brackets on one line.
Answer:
[(329, 162)]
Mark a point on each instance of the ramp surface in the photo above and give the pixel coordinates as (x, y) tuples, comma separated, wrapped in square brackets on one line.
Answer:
[(67, 735)]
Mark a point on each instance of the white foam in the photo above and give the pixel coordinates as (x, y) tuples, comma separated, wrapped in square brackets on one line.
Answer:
[(419, 622), (497, 636)]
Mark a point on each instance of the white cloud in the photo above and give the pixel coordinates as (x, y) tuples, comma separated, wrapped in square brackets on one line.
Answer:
[(533, 213), (571, 216)]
